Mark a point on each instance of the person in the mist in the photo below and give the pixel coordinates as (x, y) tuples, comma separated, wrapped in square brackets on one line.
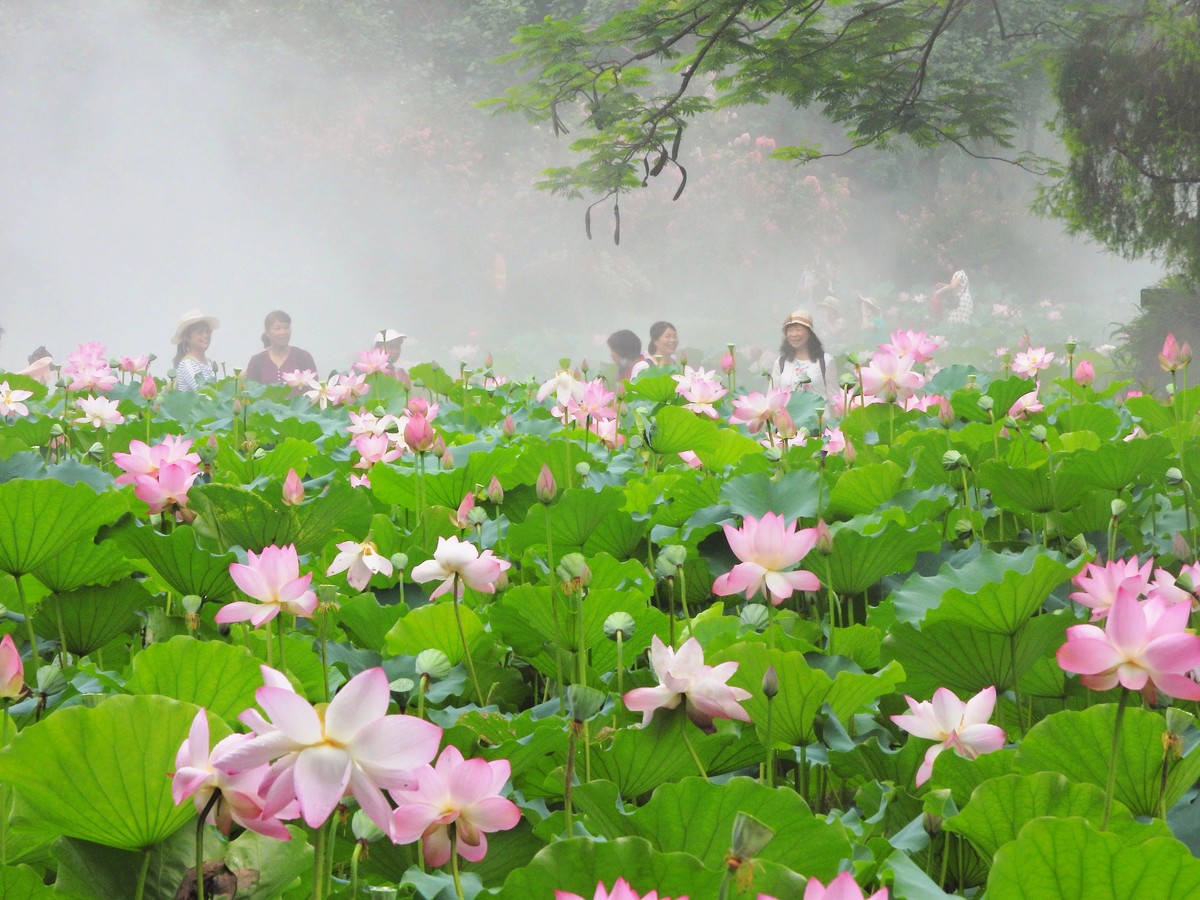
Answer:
[(626, 349), (193, 368), (280, 357), (664, 341), (959, 289), (41, 366), (391, 342), (803, 364)]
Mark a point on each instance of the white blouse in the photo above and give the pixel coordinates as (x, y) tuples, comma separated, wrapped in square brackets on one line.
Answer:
[(805, 375)]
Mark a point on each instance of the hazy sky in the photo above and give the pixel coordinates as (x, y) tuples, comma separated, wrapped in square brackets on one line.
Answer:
[(148, 172)]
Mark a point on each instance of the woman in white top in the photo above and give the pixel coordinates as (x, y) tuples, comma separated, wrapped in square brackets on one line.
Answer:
[(803, 364), (193, 368)]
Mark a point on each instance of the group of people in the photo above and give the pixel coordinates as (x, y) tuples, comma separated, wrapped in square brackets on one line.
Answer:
[(626, 349), (194, 369)]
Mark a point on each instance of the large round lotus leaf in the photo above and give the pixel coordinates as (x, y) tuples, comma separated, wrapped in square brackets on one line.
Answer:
[(101, 773), (178, 561), (38, 518), (220, 677), (1068, 859), (90, 617), (23, 883)]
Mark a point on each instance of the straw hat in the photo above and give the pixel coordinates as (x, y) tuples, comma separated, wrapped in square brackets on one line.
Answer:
[(194, 317), (388, 335), (798, 317)]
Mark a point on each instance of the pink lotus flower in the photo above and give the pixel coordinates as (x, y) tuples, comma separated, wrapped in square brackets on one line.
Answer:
[(960, 726), (1084, 374), (620, 891), (701, 389), (373, 360), (273, 579), (134, 364), (300, 379), (1143, 647), (419, 434), (465, 794), (890, 376), (1171, 589), (199, 774), (363, 422), (12, 670), (460, 562), (1029, 362), (460, 518), (683, 676), (293, 489), (692, 460), (11, 400), (844, 887), (767, 547), (755, 410), (1173, 356), (348, 747), (1099, 586), (835, 441), (595, 404), (359, 562), (564, 386), (545, 487), (1027, 404), (347, 388), (727, 363), (149, 388), (913, 344), (143, 459), (87, 369), (168, 487), (609, 432), (374, 449), (99, 412)]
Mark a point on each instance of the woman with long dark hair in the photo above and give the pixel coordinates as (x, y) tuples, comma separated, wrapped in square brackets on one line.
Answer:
[(803, 364), (193, 368)]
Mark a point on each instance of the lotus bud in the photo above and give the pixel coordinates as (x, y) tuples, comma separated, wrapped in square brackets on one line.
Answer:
[(824, 544), (1118, 507), (755, 616), (495, 492), (584, 702), (238, 406), (439, 446), (509, 427), (1180, 545), (293, 489), (1038, 433), (850, 453), (619, 623), (1085, 374), (582, 469), (773, 454), (447, 460), (399, 561), (574, 568), (770, 683), (749, 836), (583, 367), (433, 664), (545, 488), (207, 450), (727, 363), (364, 829), (785, 425), (96, 451), (986, 403), (419, 434), (963, 529), (404, 378), (1173, 476), (487, 361), (149, 388), (10, 663), (418, 406)]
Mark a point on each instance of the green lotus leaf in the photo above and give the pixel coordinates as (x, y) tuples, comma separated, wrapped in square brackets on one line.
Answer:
[(1068, 859), (220, 677), (276, 864), (433, 627), (23, 883), (726, 449), (1151, 414), (1001, 807), (340, 508), (178, 561), (242, 518), (1076, 743), (859, 561), (368, 620), (83, 562), (677, 429), (1090, 418), (575, 518), (793, 496), (967, 659), (962, 776), (100, 773), (638, 760), (579, 864), (655, 388), (91, 616), (1030, 490), (1120, 465), (40, 518), (803, 690), (864, 489), (433, 377)]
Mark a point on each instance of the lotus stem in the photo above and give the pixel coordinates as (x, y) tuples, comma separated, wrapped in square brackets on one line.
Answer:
[(569, 778), (143, 869), (354, 857), (33, 648), (692, 750), (683, 597), (270, 643), (330, 847), (454, 862), (770, 745), (212, 801), (462, 634), (318, 888), (282, 652), (558, 666), (1111, 785)]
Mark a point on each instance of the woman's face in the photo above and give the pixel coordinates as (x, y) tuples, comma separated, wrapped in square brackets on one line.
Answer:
[(279, 334), (667, 342), (797, 336), (198, 338)]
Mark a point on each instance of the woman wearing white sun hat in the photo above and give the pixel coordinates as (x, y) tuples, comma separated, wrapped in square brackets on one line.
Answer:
[(193, 368)]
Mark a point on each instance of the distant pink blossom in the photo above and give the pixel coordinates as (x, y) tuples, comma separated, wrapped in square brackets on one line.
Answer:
[(684, 678), (134, 364), (913, 344), (373, 360), (87, 369), (1099, 585), (300, 379), (273, 579), (460, 561), (620, 891), (1028, 363)]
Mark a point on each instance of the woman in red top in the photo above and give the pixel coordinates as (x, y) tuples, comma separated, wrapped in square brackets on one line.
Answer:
[(280, 357)]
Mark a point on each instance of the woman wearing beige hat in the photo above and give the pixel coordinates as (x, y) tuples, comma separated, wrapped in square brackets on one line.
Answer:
[(193, 368), (803, 364)]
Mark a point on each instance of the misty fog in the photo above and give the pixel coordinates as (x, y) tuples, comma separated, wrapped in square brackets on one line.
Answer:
[(149, 168)]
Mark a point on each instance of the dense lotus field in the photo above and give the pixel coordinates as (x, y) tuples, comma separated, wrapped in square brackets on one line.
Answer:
[(442, 634)]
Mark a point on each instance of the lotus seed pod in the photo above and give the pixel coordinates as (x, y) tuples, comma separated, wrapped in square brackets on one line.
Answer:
[(1071, 345), (574, 567), (327, 593), (963, 529), (363, 828), (773, 454), (619, 623), (675, 554), (400, 561), (987, 404), (191, 603), (1118, 507), (1038, 433), (1173, 476), (952, 460), (433, 664), (755, 616), (583, 469)]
